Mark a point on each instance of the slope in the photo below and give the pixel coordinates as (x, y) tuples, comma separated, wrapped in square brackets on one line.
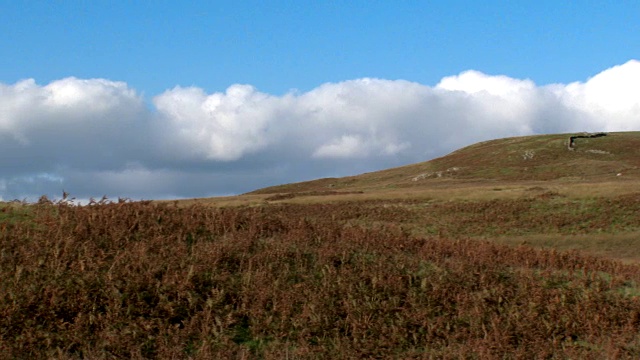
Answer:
[(577, 157)]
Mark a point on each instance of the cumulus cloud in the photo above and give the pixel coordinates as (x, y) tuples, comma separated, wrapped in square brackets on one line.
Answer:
[(95, 137), (608, 100), (71, 122), (221, 126)]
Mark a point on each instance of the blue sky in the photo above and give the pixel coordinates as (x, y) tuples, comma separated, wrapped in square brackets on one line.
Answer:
[(234, 87), (281, 45)]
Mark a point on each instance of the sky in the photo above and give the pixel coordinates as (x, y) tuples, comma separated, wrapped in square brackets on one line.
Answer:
[(167, 99)]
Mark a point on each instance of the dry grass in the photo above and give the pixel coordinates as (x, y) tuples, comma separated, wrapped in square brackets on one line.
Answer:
[(623, 246), (511, 160), (479, 263), (341, 280), (557, 203), (440, 190)]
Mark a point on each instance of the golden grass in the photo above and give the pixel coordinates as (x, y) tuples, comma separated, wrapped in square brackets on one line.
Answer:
[(445, 191)]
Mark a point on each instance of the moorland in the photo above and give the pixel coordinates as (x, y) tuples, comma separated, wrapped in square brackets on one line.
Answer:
[(518, 248)]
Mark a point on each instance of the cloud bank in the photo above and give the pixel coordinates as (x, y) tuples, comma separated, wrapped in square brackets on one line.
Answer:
[(95, 137)]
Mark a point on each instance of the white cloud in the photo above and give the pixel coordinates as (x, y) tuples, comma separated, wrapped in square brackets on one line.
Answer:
[(344, 147), (69, 122), (608, 100), (221, 126), (96, 136), (474, 82)]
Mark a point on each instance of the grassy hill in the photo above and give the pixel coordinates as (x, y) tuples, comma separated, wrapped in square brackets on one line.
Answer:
[(468, 256), (530, 158), (546, 178)]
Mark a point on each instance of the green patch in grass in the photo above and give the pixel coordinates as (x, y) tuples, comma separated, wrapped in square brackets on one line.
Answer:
[(244, 336), (13, 213)]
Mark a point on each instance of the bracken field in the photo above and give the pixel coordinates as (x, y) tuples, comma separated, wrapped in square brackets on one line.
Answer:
[(404, 279)]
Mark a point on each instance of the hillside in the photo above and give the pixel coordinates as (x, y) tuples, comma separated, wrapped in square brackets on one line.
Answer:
[(515, 248), (592, 157)]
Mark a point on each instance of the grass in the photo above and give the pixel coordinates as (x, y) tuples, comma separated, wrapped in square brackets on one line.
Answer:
[(11, 213), (623, 246), (343, 280), (527, 250), (602, 222), (501, 160)]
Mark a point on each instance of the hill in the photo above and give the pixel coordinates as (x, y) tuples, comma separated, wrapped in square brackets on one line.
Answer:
[(561, 191), (468, 256), (577, 157)]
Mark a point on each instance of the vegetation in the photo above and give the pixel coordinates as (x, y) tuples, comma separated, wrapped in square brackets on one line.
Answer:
[(143, 280), (461, 265), (11, 213), (511, 160)]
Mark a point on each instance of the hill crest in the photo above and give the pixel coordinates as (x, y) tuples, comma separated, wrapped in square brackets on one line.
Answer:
[(567, 157)]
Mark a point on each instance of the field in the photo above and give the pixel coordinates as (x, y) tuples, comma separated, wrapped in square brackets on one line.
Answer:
[(460, 266)]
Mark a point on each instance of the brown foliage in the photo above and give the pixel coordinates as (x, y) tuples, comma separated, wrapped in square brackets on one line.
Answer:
[(139, 280), (291, 195)]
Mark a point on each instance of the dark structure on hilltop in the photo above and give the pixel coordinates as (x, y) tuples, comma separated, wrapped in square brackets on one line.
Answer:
[(572, 139)]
